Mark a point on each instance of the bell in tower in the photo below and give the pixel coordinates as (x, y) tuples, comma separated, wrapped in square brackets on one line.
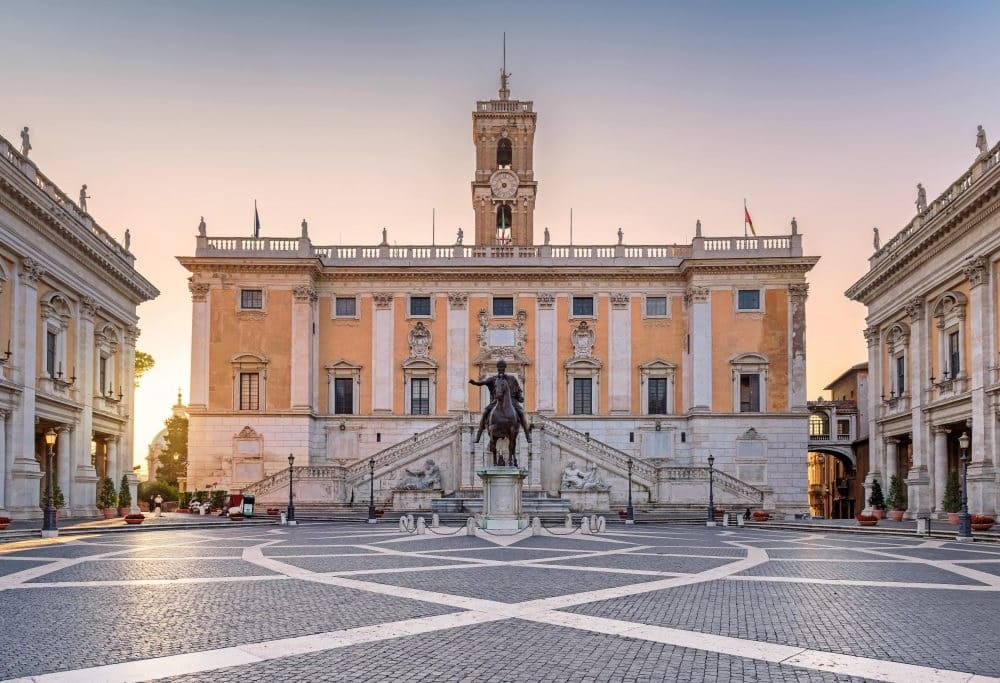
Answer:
[(504, 187)]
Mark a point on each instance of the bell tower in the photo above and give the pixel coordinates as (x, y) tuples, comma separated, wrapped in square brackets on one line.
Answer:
[(504, 189)]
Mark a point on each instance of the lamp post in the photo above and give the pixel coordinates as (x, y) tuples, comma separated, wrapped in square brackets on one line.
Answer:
[(711, 493), (629, 511), (49, 528), (964, 523), (371, 492), (290, 518)]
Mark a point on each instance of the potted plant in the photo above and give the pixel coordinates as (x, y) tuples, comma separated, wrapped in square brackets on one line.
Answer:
[(4, 521), (107, 498), (760, 515), (876, 500), (866, 520), (952, 499), (135, 518), (896, 499), (981, 522), (124, 497)]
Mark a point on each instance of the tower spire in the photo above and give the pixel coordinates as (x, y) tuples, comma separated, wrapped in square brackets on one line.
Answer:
[(504, 76)]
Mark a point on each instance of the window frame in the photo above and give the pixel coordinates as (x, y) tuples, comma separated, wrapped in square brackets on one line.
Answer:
[(343, 369), (430, 306), (253, 395), (249, 363), (578, 382), (493, 306), (657, 369), (760, 300), (750, 364), (338, 407), (656, 297), (241, 303), (583, 297), (336, 302)]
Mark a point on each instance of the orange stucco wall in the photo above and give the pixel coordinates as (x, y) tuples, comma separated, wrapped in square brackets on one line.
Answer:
[(347, 339), (657, 338)]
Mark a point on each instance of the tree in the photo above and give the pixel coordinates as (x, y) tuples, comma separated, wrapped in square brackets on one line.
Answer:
[(952, 499), (124, 494), (174, 458), (107, 497), (896, 500), (143, 364)]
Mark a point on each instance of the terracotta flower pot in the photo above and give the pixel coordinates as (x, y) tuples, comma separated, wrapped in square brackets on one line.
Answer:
[(896, 515), (4, 521), (236, 517), (879, 513), (273, 512), (982, 527), (109, 513), (124, 512), (137, 518), (759, 516), (953, 518), (868, 522)]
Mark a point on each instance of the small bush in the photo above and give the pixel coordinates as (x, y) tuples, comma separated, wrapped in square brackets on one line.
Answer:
[(124, 494), (952, 499), (152, 488), (876, 499), (897, 494), (107, 497)]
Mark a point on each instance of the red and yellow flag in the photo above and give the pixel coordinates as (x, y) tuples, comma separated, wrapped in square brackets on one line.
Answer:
[(748, 220)]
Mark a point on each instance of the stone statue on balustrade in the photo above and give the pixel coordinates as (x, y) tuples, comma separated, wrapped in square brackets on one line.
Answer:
[(83, 198), (459, 237), (876, 242), (202, 228), (621, 235), (546, 235), (921, 199), (981, 141), (429, 478), (128, 239), (305, 229), (26, 142)]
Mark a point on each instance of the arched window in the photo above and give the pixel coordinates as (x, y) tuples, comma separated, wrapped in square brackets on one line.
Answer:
[(819, 425), (503, 223), (505, 155)]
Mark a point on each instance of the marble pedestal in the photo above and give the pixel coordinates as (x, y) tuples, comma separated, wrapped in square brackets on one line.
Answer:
[(502, 498)]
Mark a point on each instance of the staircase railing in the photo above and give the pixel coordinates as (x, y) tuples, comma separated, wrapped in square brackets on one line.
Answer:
[(392, 454), (302, 472), (642, 472), (720, 478)]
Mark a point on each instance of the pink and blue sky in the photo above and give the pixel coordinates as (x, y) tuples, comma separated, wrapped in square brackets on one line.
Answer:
[(356, 116)]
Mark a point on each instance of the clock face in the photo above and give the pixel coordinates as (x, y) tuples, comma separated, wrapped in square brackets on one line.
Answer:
[(504, 184)]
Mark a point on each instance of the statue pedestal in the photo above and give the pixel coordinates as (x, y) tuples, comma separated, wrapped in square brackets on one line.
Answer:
[(586, 501), (414, 499), (502, 498)]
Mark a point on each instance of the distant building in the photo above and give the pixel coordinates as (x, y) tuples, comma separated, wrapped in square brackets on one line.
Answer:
[(68, 297), (838, 446), (651, 355), (932, 333)]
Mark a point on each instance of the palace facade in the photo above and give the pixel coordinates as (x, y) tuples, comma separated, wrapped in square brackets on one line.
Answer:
[(641, 358), (68, 298), (932, 333)]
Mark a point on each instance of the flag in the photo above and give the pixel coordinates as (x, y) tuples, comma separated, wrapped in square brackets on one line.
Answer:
[(256, 220), (747, 220)]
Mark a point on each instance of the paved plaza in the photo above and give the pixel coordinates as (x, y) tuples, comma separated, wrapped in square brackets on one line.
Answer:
[(349, 602)]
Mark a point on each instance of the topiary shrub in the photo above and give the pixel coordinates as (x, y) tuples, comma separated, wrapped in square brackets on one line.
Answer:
[(952, 499), (124, 494), (897, 494), (876, 499), (107, 497)]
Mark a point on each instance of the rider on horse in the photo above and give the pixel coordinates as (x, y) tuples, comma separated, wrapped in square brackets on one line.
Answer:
[(515, 392)]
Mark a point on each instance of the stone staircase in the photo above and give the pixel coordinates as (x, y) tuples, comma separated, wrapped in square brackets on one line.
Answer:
[(420, 444), (533, 503)]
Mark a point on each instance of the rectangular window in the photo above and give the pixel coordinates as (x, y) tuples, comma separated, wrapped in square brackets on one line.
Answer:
[(656, 305), (954, 357), (249, 391), (420, 305), (252, 298), (345, 307), (51, 340), (748, 300), (582, 396), (750, 393), (503, 305), (104, 388), (657, 395), (900, 375), (583, 305), (343, 395), (843, 427), (420, 396)]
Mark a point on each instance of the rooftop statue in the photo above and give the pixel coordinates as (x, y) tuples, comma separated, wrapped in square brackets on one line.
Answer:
[(981, 140), (305, 228), (202, 231), (875, 240), (459, 237), (128, 239), (546, 235), (921, 199), (26, 142), (83, 198)]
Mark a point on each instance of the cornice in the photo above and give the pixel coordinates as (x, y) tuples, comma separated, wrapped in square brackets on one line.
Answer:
[(41, 219), (924, 247)]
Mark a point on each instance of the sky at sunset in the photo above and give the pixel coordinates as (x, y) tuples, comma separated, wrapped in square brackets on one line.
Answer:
[(357, 116)]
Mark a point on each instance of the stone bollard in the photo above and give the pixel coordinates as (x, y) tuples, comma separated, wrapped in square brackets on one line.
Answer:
[(536, 525), (435, 521), (740, 520), (470, 526), (421, 526), (585, 525), (569, 521), (725, 519)]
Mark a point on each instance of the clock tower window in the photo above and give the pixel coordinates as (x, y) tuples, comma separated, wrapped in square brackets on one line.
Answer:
[(503, 224), (505, 154)]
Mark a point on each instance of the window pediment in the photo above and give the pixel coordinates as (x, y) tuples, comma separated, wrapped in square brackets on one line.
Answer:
[(750, 359), (897, 335), (583, 364)]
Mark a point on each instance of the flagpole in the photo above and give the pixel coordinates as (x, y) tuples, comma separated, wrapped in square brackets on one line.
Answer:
[(571, 227), (432, 226)]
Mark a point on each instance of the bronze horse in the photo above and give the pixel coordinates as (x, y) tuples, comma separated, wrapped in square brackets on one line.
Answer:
[(503, 423)]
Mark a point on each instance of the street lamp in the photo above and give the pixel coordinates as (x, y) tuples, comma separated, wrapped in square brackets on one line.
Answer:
[(371, 492), (49, 528), (711, 493), (290, 517), (629, 511), (964, 523)]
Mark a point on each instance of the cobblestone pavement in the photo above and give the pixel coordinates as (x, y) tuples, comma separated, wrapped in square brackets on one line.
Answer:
[(341, 602)]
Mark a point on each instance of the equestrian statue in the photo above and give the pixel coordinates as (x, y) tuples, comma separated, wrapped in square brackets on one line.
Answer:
[(503, 416)]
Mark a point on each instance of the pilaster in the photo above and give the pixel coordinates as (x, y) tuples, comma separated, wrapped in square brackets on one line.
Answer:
[(303, 307), (383, 371), (620, 355), (545, 353), (64, 469), (698, 300), (458, 351), (200, 343), (797, 294), (24, 471)]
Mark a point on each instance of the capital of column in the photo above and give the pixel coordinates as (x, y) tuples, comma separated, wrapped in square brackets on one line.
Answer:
[(891, 441), (940, 429), (304, 294), (915, 308), (798, 292), (199, 290), (545, 299), (619, 300), (64, 429), (382, 299), (31, 271), (696, 295), (88, 308), (976, 269), (458, 300), (132, 333), (872, 335)]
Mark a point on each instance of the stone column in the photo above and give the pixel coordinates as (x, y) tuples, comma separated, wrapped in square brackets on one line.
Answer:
[(891, 446), (699, 307), (200, 343), (940, 466), (918, 490), (458, 352), (304, 298), (126, 450), (64, 469), (872, 337), (620, 355), (546, 375), (797, 294), (982, 473), (23, 492), (383, 371), (113, 472), (6, 460), (83, 476)]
